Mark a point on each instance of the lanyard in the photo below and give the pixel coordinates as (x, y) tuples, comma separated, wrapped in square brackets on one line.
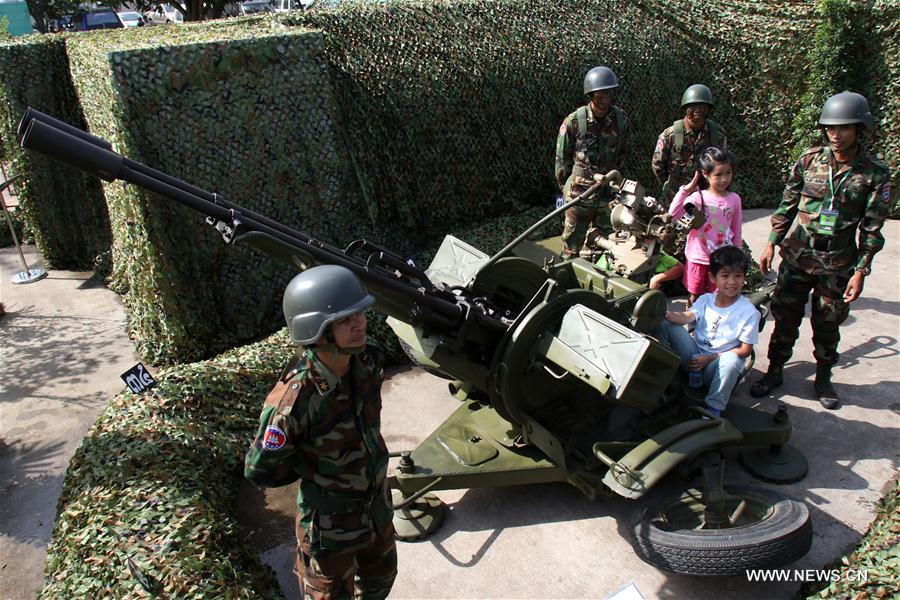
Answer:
[(834, 190)]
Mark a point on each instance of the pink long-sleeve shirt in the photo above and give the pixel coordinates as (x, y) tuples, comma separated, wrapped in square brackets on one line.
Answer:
[(722, 227)]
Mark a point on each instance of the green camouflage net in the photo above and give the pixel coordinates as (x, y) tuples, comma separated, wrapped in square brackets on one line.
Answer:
[(402, 121), (63, 208), (877, 555), (244, 110), (145, 510)]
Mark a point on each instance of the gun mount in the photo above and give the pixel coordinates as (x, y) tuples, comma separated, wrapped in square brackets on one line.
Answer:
[(642, 228), (556, 376)]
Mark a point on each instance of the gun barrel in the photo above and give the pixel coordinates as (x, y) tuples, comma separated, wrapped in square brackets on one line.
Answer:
[(32, 114), (59, 144), (403, 291)]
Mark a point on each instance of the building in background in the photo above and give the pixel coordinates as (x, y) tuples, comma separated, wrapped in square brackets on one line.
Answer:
[(17, 15)]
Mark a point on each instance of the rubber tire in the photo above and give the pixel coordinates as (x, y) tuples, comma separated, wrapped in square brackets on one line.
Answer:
[(782, 537)]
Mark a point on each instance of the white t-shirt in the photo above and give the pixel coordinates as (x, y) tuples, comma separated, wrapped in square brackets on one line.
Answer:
[(721, 329)]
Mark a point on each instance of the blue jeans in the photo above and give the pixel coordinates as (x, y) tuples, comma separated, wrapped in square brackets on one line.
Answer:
[(720, 375)]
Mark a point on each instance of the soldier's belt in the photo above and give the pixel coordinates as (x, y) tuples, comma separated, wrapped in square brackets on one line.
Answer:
[(821, 243), (331, 503)]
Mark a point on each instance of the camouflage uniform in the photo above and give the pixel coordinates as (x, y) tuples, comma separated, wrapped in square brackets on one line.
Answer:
[(674, 169), (325, 430), (580, 156), (824, 264)]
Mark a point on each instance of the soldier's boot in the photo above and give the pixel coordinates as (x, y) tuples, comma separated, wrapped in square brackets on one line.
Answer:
[(768, 382), (825, 392)]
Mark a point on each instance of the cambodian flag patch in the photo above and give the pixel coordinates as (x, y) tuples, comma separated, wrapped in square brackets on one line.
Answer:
[(274, 438)]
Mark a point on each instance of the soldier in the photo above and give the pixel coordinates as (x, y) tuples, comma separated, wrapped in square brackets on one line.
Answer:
[(321, 424), (591, 141), (681, 145), (839, 193)]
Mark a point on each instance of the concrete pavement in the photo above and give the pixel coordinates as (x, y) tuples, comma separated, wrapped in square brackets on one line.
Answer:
[(64, 346)]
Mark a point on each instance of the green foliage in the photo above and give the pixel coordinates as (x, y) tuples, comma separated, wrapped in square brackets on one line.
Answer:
[(153, 483), (22, 234), (883, 65), (63, 208), (45, 11), (841, 33), (878, 554)]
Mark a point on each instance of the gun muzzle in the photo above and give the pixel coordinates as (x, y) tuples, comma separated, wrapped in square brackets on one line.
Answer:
[(76, 151), (31, 114)]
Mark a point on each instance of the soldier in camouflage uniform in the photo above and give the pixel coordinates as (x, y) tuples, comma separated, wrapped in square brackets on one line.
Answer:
[(321, 424), (838, 194), (680, 146), (591, 141)]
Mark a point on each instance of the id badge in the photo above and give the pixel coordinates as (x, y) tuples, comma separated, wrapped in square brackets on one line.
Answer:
[(827, 222)]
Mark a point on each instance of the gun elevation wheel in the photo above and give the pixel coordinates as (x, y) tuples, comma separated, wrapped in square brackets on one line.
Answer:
[(769, 530)]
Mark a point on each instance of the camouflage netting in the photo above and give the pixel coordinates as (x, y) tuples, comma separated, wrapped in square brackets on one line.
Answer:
[(146, 505), (877, 555), (64, 208), (243, 109), (404, 121)]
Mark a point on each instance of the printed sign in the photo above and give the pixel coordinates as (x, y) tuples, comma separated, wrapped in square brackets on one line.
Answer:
[(138, 379)]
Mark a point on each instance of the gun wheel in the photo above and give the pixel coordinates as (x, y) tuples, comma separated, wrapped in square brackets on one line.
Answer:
[(769, 530)]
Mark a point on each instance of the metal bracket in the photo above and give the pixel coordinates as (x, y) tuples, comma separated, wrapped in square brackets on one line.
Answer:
[(227, 231)]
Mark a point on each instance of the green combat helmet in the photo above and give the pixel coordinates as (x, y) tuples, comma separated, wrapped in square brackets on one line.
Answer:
[(600, 78), (846, 108), (697, 94), (320, 296)]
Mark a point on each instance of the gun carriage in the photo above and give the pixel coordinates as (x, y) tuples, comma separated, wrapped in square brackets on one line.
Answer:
[(553, 364)]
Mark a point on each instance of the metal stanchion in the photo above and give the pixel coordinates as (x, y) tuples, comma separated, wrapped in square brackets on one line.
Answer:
[(27, 275)]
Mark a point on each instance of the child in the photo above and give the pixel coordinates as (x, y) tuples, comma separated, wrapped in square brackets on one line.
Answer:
[(727, 327), (667, 269), (723, 218)]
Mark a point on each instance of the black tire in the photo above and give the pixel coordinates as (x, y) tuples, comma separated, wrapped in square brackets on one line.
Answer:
[(773, 531)]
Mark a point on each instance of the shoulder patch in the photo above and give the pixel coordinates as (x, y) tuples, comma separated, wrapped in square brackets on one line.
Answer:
[(563, 129), (660, 144), (285, 394), (886, 192), (274, 438)]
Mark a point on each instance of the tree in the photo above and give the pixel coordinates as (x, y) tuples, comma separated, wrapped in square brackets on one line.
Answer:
[(45, 11), (191, 10)]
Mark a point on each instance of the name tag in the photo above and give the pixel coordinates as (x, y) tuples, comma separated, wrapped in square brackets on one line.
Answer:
[(827, 222)]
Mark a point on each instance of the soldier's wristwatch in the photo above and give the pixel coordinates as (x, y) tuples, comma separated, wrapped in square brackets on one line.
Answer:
[(864, 270)]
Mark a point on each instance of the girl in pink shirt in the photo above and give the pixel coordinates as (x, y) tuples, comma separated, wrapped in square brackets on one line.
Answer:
[(723, 218)]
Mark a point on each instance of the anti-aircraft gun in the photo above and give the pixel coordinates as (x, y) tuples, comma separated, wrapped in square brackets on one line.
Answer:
[(554, 366)]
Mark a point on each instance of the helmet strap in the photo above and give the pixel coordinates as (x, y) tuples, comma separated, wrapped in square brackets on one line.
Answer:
[(331, 346)]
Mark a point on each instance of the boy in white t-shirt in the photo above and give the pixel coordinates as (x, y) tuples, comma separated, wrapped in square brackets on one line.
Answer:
[(727, 327)]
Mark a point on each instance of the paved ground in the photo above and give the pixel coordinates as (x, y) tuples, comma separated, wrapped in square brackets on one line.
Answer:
[(64, 346)]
